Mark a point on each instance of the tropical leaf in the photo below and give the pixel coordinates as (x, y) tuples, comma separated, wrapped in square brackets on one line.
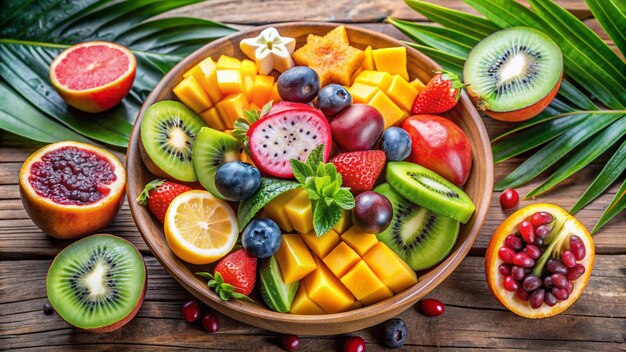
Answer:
[(447, 61), (618, 204), (612, 17)]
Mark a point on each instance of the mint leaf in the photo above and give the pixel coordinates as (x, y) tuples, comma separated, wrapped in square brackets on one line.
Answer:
[(301, 170), (344, 199), (268, 190), (325, 217), (331, 171), (316, 157), (321, 182), (331, 189)]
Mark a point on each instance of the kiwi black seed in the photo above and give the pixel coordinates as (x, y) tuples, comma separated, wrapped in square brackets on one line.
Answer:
[(168, 132), (513, 69), (97, 283), (419, 236), (429, 190), (212, 149)]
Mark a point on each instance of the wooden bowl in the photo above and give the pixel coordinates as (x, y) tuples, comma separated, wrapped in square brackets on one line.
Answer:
[(478, 187)]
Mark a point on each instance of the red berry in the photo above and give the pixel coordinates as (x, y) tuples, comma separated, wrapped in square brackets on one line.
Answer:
[(210, 323), (506, 254), (504, 269), (577, 247), (354, 344), (541, 218), (513, 242), (533, 251), (191, 311), (360, 170), (510, 284), (158, 195), (440, 94), (568, 259), (432, 307), (522, 259), (527, 231), (509, 198), (290, 342), (238, 269), (522, 294)]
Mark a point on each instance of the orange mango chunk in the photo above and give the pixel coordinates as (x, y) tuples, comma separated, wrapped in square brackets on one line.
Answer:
[(417, 84), (262, 89), (228, 63), (390, 268), (231, 108), (248, 68), (345, 221), (294, 258), (321, 246), (382, 80), (274, 96), (368, 59), (248, 87), (212, 119), (275, 210), (229, 81), (365, 285), (359, 240), (327, 291), (302, 304), (300, 213), (401, 92), (206, 73), (341, 259), (191, 94), (392, 60), (362, 93), (392, 114)]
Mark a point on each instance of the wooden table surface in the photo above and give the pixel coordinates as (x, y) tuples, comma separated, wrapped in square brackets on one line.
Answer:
[(473, 318)]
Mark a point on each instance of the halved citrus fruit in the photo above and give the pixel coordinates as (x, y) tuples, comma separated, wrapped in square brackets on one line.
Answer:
[(539, 261), (70, 189), (93, 76), (200, 228)]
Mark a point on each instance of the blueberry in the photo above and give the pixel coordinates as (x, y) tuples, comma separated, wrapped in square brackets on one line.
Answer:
[(261, 238), (298, 84), (396, 143), (396, 333), (332, 99), (236, 180)]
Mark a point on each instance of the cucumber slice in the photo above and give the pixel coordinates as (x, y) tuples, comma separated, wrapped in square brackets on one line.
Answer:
[(276, 294)]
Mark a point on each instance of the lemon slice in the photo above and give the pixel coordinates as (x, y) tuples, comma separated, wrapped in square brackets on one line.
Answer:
[(200, 228)]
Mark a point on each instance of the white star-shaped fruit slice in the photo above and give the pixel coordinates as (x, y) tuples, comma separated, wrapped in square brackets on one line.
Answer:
[(269, 50)]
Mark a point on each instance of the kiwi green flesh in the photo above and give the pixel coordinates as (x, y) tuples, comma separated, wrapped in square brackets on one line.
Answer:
[(168, 132), (429, 190), (96, 282), (276, 294), (420, 237), (513, 68), (212, 149)]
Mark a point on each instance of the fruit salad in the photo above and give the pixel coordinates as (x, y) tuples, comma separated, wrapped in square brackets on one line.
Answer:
[(328, 163)]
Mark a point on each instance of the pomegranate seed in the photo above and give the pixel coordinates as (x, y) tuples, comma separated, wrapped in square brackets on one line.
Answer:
[(522, 294), (509, 199), (568, 259), (210, 323), (191, 311), (547, 282), (575, 272), (354, 344), (513, 242), (558, 280), (538, 241), (506, 254), (556, 266), (531, 283), (549, 299), (290, 342), (570, 287), (536, 298), (519, 273), (560, 293), (510, 284), (541, 218), (504, 269), (543, 231), (522, 259), (527, 231), (432, 307), (577, 247), (533, 251)]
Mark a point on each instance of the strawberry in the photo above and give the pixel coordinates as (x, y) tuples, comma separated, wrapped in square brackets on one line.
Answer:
[(360, 170), (158, 194), (234, 276), (440, 94)]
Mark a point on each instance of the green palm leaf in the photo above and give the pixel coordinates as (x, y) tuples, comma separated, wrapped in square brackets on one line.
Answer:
[(612, 16), (618, 204), (34, 32)]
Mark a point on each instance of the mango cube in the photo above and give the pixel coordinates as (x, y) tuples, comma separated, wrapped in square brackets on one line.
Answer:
[(205, 73), (212, 119), (417, 84), (365, 285), (359, 240), (390, 111), (275, 210), (231, 108), (191, 94), (341, 259), (368, 59), (274, 96), (248, 68), (262, 89), (355, 305), (229, 81), (248, 87), (327, 291), (362, 93), (390, 268), (302, 304), (321, 246), (401, 92), (344, 222), (374, 79), (228, 63), (294, 259), (392, 60), (300, 213)]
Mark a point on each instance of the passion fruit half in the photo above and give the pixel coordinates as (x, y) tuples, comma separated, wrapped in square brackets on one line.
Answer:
[(539, 261), (70, 189)]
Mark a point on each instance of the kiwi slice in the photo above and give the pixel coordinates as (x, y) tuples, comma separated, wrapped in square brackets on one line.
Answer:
[(97, 283), (513, 68), (419, 236), (168, 132), (211, 150), (429, 190)]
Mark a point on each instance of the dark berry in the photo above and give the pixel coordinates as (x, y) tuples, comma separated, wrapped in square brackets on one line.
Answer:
[(261, 238), (396, 143), (372, 212), (332, 99), (577, 247), (354, 344), (236, 180), (513, 242), (298, 84), (290, 342), (210, 323), (509, 199), (396, 333), (575, 272), (504, 269), (568, 259), (541, 218), (191, 311), (432, 307), (536, 298), (47, 308)]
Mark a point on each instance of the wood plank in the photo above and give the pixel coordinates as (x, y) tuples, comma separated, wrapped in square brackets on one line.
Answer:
[(596, 322)]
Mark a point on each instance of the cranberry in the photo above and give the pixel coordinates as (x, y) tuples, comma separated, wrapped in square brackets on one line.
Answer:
[(513, 242), (570, 287), (533, 251), (556, 266), (575, 272), (541, 218), (504, 269), (509, 199), (558, 280), (519, 273), (542, 231), (549, 299), (536, 298), (47, 308), (527, 231), (568, 259), (210, 323), (531, 283), (354, 344), (506, 254), (522, 259), (560, 293), (290, 342), (547, 282), (432, 307), (191, 311), (577, 247), (510, 284), (522, 294)]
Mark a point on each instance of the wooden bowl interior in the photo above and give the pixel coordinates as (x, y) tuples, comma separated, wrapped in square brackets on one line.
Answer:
[(479, 187)]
